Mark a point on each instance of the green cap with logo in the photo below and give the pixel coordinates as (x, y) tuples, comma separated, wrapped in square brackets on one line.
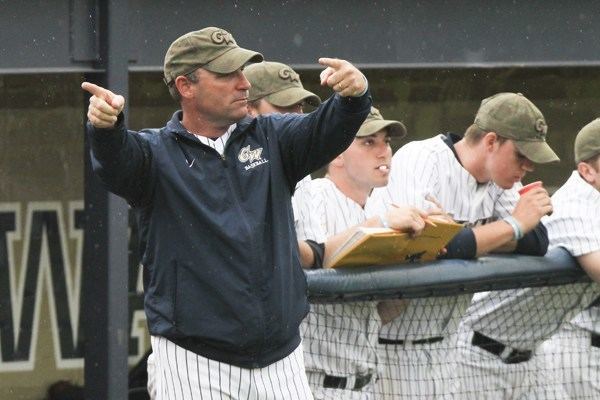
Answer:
[(513, 116), (375, 122), (587, 142), (213, 49), (278, 84)]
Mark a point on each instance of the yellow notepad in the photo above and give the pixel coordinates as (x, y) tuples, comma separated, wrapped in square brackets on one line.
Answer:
[(381, 246)]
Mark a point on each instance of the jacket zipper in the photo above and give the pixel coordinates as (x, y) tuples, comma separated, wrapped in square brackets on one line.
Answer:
[(253, 245)]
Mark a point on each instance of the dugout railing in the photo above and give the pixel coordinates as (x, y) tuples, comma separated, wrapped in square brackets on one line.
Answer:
[(555, 361), (443, 277)]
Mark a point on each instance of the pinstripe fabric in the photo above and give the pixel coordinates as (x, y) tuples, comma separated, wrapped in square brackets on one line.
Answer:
[(575, 223), (183, 375), (421, 168), (338, 339), (524, 318), (429, 167), (219, 143), (295, 200)]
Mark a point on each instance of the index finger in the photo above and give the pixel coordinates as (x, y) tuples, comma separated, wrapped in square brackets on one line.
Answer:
[(331, 62), (97, 91)]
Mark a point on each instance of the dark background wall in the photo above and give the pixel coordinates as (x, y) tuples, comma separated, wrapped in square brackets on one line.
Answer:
[(63, 35)]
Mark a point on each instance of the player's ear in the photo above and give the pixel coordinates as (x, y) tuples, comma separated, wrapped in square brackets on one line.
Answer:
[(489, 140), (587, 172), (184, 86)]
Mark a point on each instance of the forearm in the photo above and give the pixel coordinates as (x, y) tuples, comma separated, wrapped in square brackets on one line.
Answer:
[(333, 243), (313, 140), (591, 264), (496, 236), (307, 258)]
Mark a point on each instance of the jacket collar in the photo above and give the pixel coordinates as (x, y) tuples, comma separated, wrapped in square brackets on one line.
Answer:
[(174, 125)]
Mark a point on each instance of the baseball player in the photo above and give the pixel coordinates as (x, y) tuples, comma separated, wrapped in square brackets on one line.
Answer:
[(475, 180), (504, 329), (224, 291), (275, 88), (339, 339), (575, 225)]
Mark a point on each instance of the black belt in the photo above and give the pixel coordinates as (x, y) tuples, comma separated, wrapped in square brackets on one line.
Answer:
[(434, 339), (340, 382), (497, 348), (595, 340)]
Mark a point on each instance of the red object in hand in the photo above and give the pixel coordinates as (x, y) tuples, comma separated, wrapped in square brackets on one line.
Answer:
[(530, 186)]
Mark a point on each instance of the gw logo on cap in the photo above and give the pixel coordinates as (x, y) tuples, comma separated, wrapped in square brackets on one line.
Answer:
[(288, 74), (540, 126), (220, 37)]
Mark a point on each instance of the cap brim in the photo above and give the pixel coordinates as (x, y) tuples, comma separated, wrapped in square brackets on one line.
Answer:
[(539, 152), (395, 128), (293, 95), (233, 60)]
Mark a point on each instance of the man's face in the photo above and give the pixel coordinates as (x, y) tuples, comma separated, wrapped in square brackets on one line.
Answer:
[(264, 107), (507, 165), (367, 160), (221, 98)]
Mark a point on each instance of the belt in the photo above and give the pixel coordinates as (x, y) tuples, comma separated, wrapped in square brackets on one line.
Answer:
[(595, 340), (434, 339), (506, 354), (340, 382)]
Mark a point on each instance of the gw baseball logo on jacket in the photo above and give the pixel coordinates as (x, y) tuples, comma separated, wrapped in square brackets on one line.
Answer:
[(251, 156)]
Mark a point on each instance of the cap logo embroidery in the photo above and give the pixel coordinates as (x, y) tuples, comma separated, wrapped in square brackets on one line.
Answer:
[(541, 127), (288, 74), (220, 37)]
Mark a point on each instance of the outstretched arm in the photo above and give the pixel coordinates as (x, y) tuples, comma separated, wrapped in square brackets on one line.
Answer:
[(120, 158)]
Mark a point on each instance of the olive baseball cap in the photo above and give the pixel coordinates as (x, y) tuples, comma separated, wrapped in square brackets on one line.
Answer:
[(375, 122), (213, 49), (587, 142), (513, 116), (277, 83)]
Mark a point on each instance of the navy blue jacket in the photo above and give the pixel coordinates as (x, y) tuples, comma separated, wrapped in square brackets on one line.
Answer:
[(222, 276)]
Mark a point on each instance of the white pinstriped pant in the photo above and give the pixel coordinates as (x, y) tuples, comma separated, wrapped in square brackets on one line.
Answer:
[(183, 375)]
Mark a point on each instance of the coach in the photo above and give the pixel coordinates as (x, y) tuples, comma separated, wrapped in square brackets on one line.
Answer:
[(224, 291)]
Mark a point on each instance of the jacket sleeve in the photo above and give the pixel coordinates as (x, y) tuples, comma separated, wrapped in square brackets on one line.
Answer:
[(121, 159), (308, 142)]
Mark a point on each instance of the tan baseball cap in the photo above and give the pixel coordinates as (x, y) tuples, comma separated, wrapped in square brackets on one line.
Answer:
[(278, 84), (375, 122), (587, 142), (513, 116), (213, 49)]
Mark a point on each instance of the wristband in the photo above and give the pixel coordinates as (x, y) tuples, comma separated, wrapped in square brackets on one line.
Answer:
[(516, 227), (318, 250), (384, 222)]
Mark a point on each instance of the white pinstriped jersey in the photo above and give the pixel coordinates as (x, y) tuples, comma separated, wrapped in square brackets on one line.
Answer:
[(577, 228), (302, 182), (430, 167), (523, 318), (338, 339)]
